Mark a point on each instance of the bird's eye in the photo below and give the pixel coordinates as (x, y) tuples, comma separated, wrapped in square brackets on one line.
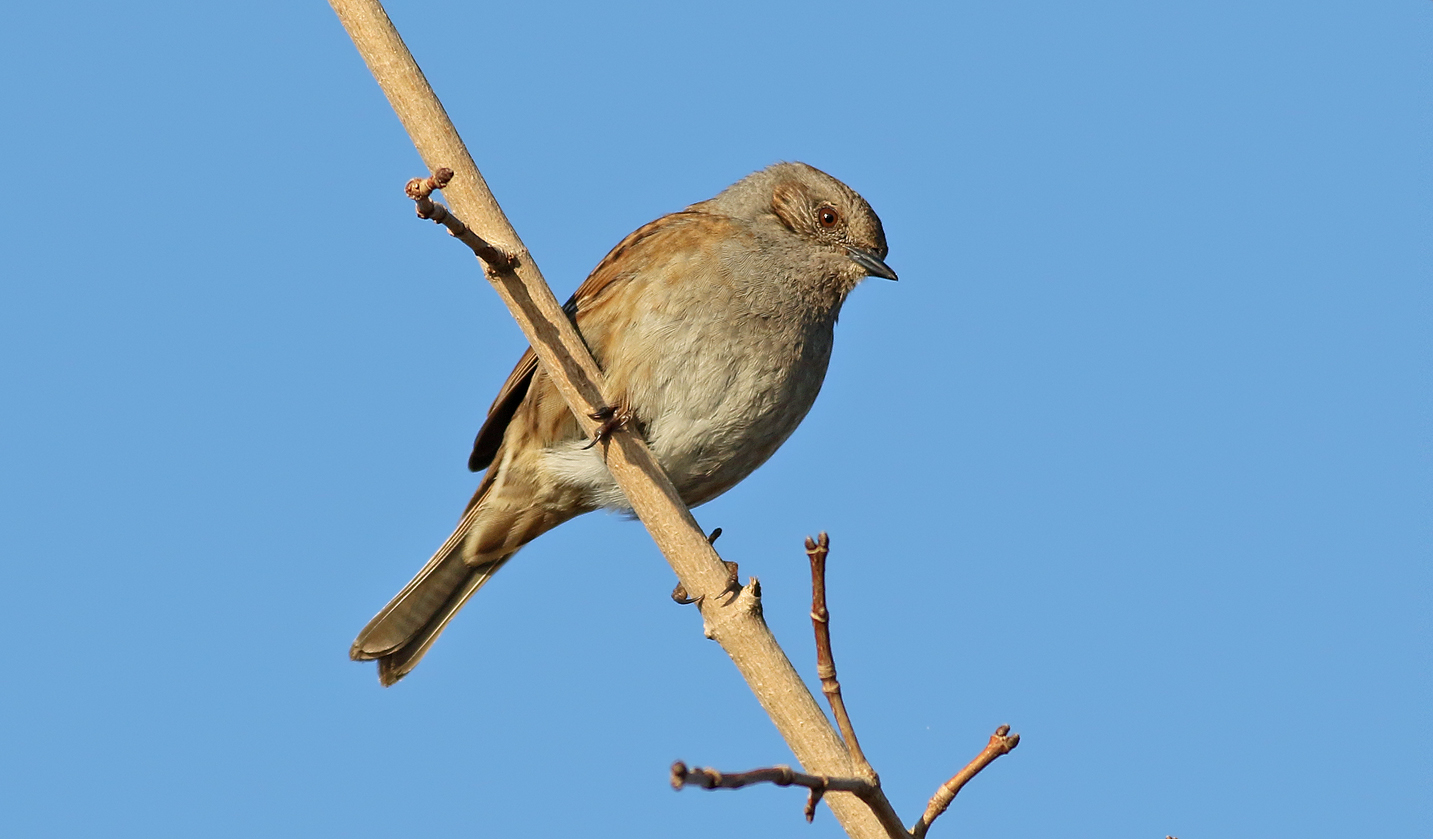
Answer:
[(828, 217)]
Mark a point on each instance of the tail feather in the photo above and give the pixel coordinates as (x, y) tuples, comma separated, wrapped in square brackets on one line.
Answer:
[(422, 618), (402, 631), (484, 540), (425, 596)]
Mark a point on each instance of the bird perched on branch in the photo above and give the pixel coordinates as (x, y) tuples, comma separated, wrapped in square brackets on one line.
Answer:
[(713, 327)]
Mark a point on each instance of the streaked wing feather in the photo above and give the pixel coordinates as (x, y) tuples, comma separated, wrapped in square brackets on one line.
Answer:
[(490, 436), (612, 273)]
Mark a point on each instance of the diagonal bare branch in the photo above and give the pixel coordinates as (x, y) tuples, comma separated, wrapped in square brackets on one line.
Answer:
[(741, 632)]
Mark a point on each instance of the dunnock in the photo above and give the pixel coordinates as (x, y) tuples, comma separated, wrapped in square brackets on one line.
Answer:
[(713, 326)]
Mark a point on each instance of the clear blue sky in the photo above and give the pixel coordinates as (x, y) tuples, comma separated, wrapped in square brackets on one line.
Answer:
[(1135, 457)]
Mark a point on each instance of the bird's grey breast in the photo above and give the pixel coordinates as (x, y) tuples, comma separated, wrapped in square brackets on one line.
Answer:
[(741, 361), (719, 363)]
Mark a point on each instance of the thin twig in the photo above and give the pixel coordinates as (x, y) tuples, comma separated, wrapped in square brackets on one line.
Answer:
[(782, 776), (1001, 743), (421, 190), (817, 550)]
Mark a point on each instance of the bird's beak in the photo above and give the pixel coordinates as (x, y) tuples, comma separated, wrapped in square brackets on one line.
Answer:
[(872, 263)]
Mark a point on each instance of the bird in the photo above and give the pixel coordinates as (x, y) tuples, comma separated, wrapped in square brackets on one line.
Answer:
[(713, 327)]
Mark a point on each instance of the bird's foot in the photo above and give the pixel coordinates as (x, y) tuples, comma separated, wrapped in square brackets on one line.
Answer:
[(733, 586), (612, 419)]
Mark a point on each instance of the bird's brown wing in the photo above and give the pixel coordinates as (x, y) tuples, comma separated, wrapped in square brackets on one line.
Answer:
[(618, 266), (490, 436)]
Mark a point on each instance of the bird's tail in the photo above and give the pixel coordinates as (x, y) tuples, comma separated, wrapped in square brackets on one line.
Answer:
[(487, 536), (400, 634)]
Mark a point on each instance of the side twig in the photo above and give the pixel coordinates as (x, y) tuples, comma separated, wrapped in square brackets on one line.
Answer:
[(781, 776), (867, 787), (421, 190), (1001, 743), (817, 550)]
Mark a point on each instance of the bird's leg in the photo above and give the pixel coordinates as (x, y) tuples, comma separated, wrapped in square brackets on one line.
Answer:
[(612, 419)]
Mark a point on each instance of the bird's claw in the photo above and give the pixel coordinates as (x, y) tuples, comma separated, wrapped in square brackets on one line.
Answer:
[(732, 588), (733, 584), (611, 419), (679, 594)]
